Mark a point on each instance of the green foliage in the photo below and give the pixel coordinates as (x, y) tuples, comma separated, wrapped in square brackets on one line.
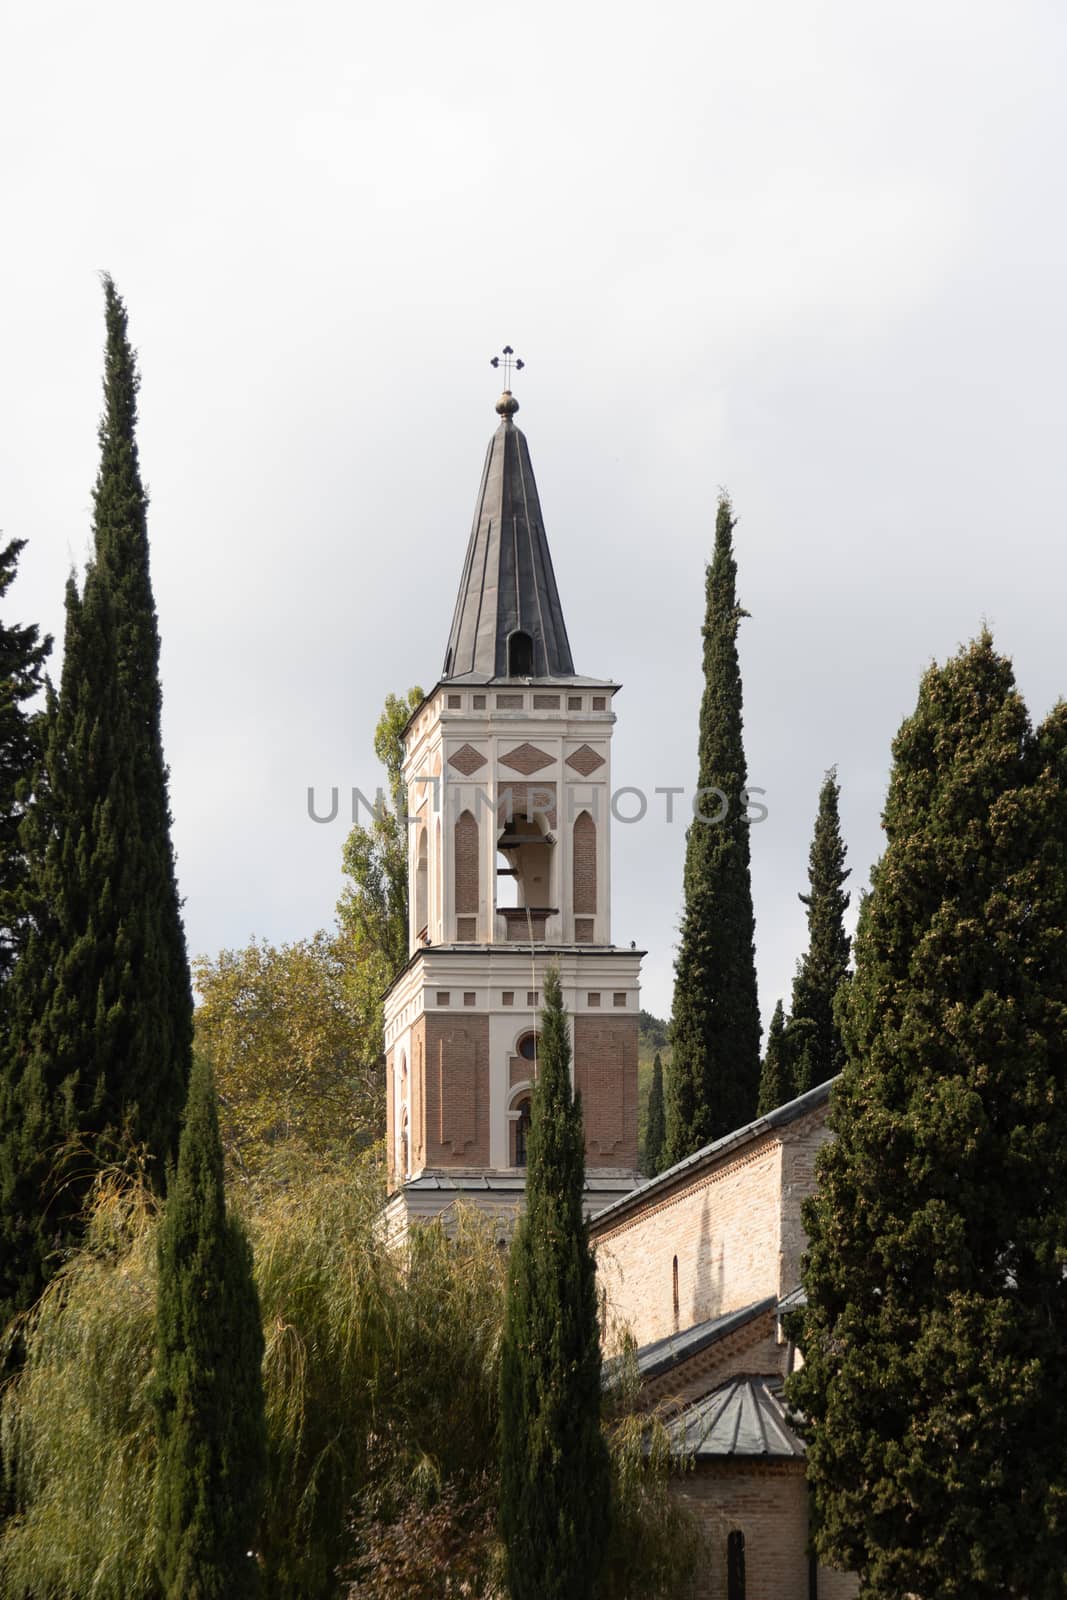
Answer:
[(381, 1379), (713, 1081), (22, 657), (208, 1388), (554, 1468), (653, 1033), (775, 1084), (814, 1045), (656, 1130), (935, 1339), (291, 1060), (373, 908), (99, 1005)]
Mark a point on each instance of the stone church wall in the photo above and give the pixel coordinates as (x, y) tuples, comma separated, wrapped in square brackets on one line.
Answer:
[(802, 1142), (722, 1229), (768, 1503)]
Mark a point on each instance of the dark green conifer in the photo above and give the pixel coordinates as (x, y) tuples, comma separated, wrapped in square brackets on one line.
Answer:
[(935, 1339), (22, 656), (713, 1081), (656, 1124), (814, 1038), (100, 1005), (208, 1386), (775, 1084), (554, 1471)]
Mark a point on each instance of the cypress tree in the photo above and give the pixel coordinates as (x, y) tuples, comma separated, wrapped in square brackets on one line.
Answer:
[(554, 1470), (775, 1084), (100, 1006), (713, 1081), (935, 1339), (656, 1125), (208, 1386), (814, 1042), (22, 656)]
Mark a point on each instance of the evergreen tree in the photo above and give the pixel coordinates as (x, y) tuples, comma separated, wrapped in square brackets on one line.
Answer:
[(814, 1043), (935, 1339), (554, 1471), (713, 1081), (208, 1386), (22, 657), (100, 1005), (775, 1084), (656, 1125)]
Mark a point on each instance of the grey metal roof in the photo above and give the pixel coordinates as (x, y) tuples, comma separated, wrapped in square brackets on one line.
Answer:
[(655, 1359), (795, 1300), (508, 583), (781, 1117), (745, 1417)]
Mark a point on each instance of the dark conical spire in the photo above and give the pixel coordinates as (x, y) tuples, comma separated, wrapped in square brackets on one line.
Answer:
[(508, 620)]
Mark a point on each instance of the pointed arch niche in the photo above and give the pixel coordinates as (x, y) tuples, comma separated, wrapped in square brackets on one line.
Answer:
[(465, 857), (584, 877)]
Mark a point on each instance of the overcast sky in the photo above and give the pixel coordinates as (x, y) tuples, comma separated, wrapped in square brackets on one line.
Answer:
[(811, 252)]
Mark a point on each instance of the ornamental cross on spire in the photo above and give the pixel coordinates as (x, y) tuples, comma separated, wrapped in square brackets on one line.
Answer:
[(508, 360)]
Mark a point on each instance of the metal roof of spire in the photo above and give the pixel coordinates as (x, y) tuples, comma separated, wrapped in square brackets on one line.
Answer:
[(508, 588)]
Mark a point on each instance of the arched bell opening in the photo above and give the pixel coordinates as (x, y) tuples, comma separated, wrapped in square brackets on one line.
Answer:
[(520, 654)]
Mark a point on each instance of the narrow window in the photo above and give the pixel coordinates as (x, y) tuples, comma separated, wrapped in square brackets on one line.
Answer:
[(520, 655), (735, 1566), (421, 885), (674, 1275), (522, 1132)]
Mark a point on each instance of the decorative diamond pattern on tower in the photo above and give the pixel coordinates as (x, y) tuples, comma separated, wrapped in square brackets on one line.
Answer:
[(526, 758), (584, 760), (467, 760)]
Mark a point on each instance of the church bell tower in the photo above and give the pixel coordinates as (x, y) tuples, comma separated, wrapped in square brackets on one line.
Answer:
[(508, 772)]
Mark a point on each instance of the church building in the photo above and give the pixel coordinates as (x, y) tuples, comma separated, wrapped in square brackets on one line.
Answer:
[(508, 774)]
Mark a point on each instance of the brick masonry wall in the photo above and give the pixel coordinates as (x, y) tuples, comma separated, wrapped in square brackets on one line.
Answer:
[(605, 1072), (466, 852), (753, 1349), (453, 1107), (584, 865), (800, 1146), (724, 1230), (768, 1503)]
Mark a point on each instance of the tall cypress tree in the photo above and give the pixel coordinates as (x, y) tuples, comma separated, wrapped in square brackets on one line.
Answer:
[(22, 656), (656, 1125), (775, 1083), (713, 1082), (208, 1385), (814, 1039), (554, 1471), (100, 1005), (935, 1339)]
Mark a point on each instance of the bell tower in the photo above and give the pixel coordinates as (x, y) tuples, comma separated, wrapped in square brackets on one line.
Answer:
[(508, 772)]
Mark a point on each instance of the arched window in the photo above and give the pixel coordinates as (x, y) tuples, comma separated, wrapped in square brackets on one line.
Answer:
[(674, 1279), (528, 1046), (584, 865), (522, 1132), (421, 877), (735, 1566), (520, 655)]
